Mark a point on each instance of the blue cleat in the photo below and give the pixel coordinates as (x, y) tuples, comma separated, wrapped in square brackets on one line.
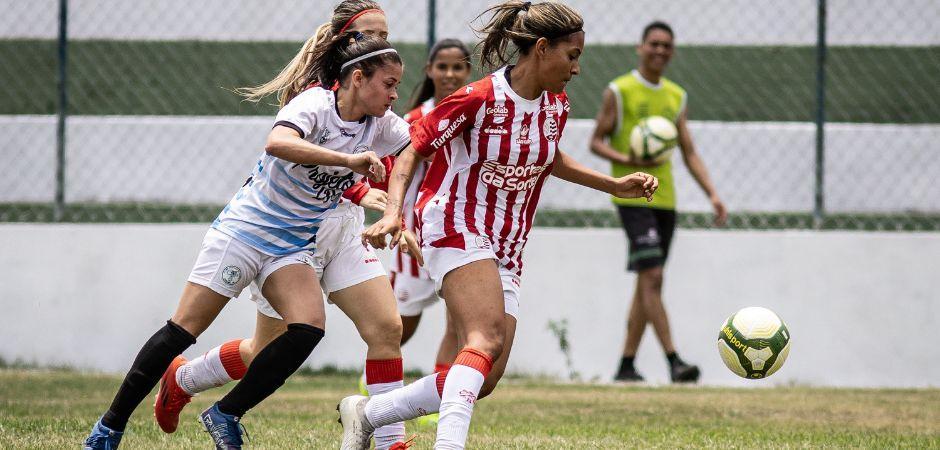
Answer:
[(225, 429), (103, 438)]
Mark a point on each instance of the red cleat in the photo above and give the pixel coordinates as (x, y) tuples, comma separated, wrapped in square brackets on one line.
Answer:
[(171, 398), (403, 445)]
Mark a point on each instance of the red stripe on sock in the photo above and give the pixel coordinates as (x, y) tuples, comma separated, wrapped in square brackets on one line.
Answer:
[(441, 376), (384, 370), (232, 359), (475, 359), (441, 367)]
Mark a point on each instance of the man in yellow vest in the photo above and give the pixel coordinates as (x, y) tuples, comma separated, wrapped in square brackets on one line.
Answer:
[(649, 226)]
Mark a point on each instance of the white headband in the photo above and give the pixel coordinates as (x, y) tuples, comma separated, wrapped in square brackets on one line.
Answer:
[(367, 55)]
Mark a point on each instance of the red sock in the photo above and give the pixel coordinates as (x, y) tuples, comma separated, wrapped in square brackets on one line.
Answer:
[(232, 359), (441, 367)]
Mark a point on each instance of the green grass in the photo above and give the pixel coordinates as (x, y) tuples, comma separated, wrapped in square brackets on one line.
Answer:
[(53, 410), (727, 83), (606, 218)]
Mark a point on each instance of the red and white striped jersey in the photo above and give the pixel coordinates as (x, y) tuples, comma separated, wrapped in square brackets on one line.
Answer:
[(482, 190)]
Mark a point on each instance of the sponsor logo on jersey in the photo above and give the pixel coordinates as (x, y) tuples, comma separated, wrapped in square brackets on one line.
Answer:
[(361, 148), (550, 128), (469, 89), (496, 131), (510, 177), (328, 182), (523, 138), (550, 108), (231, 275), (442, 125), (497, 111), (371, 260), (448, 131), (343, 132)]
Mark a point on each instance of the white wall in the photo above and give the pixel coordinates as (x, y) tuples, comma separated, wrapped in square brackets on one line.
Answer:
[(863, 308), (756, 166), (727, 22)]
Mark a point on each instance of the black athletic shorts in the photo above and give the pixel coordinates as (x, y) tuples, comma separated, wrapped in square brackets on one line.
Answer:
[(649, 231)]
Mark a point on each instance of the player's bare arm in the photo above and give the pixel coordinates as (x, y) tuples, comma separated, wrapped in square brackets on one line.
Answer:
[(390, 223), (605, 122), (285, 143), (635, 185), (697, 169)]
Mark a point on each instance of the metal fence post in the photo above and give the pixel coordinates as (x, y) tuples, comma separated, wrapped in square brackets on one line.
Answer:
[(432, 23), (62, 85), (819, 201)]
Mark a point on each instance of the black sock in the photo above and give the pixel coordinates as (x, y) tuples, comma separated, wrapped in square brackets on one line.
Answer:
[(268, 371), (152, 360), (626, 363), (673, 358)]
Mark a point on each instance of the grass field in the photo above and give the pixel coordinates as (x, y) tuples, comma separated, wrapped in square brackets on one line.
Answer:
[(55, 409)]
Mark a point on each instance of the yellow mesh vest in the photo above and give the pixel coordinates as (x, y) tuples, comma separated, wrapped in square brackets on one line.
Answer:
[(637, 99)]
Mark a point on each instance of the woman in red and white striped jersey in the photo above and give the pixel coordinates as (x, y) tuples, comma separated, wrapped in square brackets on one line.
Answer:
[(478, 202)]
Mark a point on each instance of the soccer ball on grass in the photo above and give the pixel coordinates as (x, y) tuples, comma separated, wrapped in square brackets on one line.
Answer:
[(754, 342)]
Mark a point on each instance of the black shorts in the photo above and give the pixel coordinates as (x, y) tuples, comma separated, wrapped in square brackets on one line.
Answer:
[(649, 231)]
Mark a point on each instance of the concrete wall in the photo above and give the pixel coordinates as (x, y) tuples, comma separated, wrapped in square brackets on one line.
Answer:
[(863, 308), (205, 160), (725, 22)]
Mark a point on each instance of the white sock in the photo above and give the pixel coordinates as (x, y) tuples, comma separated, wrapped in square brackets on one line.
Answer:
[(414, 400), (212, 369), (461, 388), (387, 435)]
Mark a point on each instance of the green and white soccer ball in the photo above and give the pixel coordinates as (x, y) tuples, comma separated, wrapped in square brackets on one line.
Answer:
[(754, 342), (653, 139)]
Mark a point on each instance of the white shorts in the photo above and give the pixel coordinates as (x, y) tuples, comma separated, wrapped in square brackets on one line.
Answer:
[(227, 265), (341, 261), (441, 260), (413, 294)]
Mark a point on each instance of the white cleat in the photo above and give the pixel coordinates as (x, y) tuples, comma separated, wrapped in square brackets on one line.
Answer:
[(357, 431)]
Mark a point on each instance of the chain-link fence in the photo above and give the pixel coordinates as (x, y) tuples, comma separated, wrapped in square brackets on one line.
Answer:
[(151, 131)]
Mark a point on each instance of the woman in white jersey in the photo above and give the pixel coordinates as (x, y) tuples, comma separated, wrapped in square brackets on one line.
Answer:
[(476, 211), (283, 230), (229, 361)]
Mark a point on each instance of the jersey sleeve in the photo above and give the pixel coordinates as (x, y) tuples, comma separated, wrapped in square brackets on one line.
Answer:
[(449, 119), (300, 114), (392, 136)]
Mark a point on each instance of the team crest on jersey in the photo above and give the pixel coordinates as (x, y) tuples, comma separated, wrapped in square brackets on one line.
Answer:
[(231, 275), (324, 136), (361, 148), (523, 138), (550, 129)]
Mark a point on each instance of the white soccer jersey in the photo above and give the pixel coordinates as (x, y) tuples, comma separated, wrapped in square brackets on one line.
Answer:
[(483, 188), (279, 209)]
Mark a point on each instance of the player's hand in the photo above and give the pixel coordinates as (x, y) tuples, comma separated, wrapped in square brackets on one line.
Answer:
[(368, 164), (376, 234), (375, 199), (411, 246), (721, 213), (635, 185)]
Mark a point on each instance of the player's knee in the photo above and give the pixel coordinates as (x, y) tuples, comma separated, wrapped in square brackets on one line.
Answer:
[(488, 341), (382, 333)]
